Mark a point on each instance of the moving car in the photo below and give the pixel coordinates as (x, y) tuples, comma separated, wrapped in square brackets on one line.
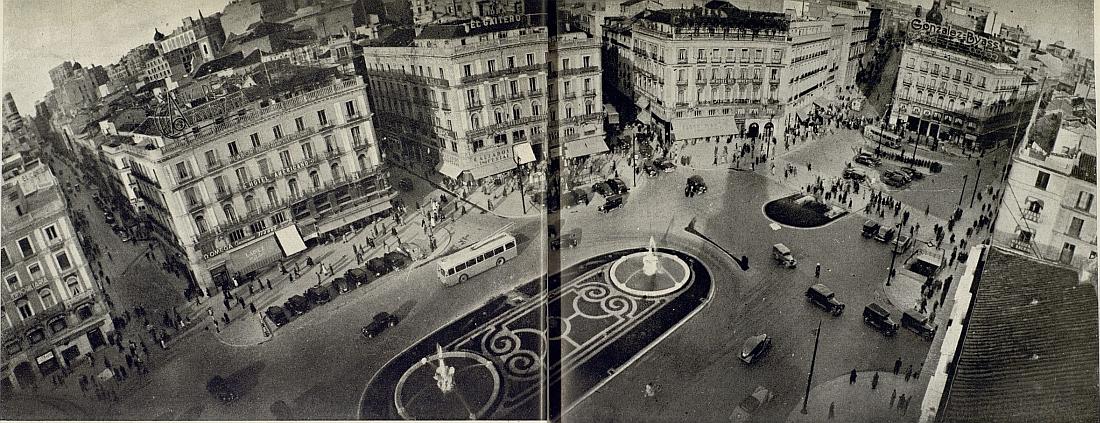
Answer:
[(611, 203), (650, 169), (878, 318), (867, 159), (885, 234), (825, 298), (617, 186), (902, 242), (783, 257), (755, 347), (576, 197), (912, 173), (695, 185), (750, 404), (602, 188), (919, 324), (277, 315), (870, 228), (664, 164), (379, 324), (855, 175)]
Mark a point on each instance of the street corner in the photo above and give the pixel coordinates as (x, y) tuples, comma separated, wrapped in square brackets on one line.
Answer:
[(841, 400), (903, 291), (244, 332)]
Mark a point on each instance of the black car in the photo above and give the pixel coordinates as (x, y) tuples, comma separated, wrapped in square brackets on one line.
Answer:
[(650, 169), (109, 218), (381, 321), (318, 295), (885, 234), (913, 174), (617, 186), (895, 178), (277, 315), (825, 298), (613, 202), (919, 324), (395, 260), (297, 305), (854, 175), (878, 318), (377, 266), (356, 277), (695, 185), (664, 165), (867, 160), (870, 228)]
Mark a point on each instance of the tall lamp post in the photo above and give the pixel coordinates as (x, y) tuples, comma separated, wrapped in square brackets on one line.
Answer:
[(522, 192), (963, 190), (813, 361), (976, 180), (894, 256)]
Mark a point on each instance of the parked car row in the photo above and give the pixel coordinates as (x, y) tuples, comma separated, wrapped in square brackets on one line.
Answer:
[(887, 235), (321, 294)]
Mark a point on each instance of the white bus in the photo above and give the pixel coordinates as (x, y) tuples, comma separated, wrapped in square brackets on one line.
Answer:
[(477, 258)]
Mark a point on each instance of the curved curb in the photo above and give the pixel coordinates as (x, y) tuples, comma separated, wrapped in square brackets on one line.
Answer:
[(847, 213)]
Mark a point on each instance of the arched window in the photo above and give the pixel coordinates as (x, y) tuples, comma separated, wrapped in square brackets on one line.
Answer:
[(292, 184), (498, 116), (47, 298), (475, 123), (200, 223), (588, 107), (272, 196), (535, 109), (250, 203), (363, 162), (515, 111), (568, 111), (230, 214), (337, 172)]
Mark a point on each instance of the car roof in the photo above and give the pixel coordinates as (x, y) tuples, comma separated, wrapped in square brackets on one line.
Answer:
[(751, 343), (822, 289), (878, 309)]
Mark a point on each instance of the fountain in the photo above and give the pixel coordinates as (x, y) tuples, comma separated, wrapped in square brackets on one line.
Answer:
[(467, 386), (649, 273)]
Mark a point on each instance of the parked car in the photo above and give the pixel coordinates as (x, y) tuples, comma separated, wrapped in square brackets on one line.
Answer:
[(396, 260), (755, 347), (576, 197), (783, 256), (891, 144), (825, 298), (902, 242), (912, 173), (356, 277), (895, 178), (695, 186), (855, 175), (919, 324), (377, 266), (379, 324), (885, 234), (750, 404), (878, 318), (617, 186), (870, 228), (318, 295), (867, 159), (611, 203), (277, 315), (664, 164), (297, 305), (650, 169), (602, 188)]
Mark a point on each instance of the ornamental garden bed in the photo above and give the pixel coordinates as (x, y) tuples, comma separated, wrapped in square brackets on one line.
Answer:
[(802, 211)]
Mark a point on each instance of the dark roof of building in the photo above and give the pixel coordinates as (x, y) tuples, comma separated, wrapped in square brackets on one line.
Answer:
[(1085, 169), (730, 17), (228, 61), (259, 30), (1029, 353)]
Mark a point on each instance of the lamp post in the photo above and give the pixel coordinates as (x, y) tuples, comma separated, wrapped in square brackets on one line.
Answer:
[(976, 180), (894, 256), (963, 190), (813, 361), (522, 192), (634, 158)]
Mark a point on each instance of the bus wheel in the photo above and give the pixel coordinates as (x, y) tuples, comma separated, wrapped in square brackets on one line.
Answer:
[(500, 261), (463, 278)]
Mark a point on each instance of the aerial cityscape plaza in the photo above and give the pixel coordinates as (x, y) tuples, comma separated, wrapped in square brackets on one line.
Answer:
[(565, 210)]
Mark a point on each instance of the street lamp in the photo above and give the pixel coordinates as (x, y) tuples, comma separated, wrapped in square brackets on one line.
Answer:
[(522, 193), (976, 180), (813, 361), (894, 257)]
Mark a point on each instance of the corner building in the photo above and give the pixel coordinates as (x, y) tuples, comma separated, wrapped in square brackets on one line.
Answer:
[(240, 191), (52, 312)]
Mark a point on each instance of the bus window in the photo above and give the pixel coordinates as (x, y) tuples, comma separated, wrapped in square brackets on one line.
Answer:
[(489, 255), (471, 262), (510, 245), (460, 267), (499, 250), (480, 258), (450, 271)]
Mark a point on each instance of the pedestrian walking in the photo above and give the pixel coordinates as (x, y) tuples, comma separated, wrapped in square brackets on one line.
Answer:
[(852, 377), (893, 396), (832, 410), (817, 271), (916, 373), (897, 366), (901, 401), (909, 372), (874, 381)]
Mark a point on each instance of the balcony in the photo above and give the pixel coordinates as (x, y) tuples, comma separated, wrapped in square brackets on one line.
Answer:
[(361, 145), (518, 95), (682, 82), (496, 100), (224, 194), (578, 71), (537, 92), (1022, 245), (569, 95), (196, 204), (474, 104), (356, 117), (141, 177), (1031, 215), (333, 153), (501, 73), (212, 166), (589, 93), (496, 128), (701, 81)]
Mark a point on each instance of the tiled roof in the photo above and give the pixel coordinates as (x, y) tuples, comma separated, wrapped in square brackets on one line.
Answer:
[(1029, 353)]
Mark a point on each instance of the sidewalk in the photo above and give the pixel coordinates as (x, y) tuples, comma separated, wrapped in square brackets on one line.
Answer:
[(505, 205), (857, 403)]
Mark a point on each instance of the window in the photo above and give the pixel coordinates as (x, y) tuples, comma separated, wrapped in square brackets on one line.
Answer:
[(515, 112), (958, 73), (530, 59), (264, 167), (565, 64), (349, 106), (701, 55), (777, 56), (272, 196), (307, 150), (1075, 227), (535, 110), (532, 85), (230, 214), (682, 56), (1084, 200), (35, 270), (182, 171), (242, 175), (25, 311), (200, 223), (759, 55), (192, 196), (935, 69), (284, 158), (51, 232), (255, 139), (233, 149), (467, 70), (912, 63), (26, 248), (12, 280), (292, 184), (211, 158), (47, 298), (299, 124), (278, 132), (329, 143), (63, 261), (968, 77), (511, 62), (586, 61), (5, 261), (1042, 180), (356, 137), (321, 118), (492, 65), (219, 184)]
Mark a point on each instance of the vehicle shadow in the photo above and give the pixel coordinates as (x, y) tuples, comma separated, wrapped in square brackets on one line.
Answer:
[(246, 378)]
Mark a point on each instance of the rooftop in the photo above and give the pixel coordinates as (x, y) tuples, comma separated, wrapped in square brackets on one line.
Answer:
[(29, 193), (729, 17), (476, 26), (1030, 347), (990, 55)]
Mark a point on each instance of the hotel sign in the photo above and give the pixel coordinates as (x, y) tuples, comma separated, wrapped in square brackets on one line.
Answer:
[(284, 171), (966, 37)]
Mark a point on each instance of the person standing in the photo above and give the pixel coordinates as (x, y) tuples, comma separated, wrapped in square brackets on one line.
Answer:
[(874, 381), (897, 366), (817, 271), (852, 377)]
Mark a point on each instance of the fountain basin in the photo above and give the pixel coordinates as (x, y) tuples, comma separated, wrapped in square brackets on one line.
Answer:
[(476, 389), (628, 276)]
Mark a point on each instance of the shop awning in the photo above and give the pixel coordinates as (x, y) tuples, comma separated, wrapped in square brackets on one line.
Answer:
[(702, 128), (645, 116), (290, 240), (492, 168), (524, 152), (449, 170), (347, 219), (581, 148), (254, 256)]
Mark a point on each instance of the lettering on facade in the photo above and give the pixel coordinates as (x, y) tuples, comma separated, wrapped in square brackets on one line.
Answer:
[(966, 37)]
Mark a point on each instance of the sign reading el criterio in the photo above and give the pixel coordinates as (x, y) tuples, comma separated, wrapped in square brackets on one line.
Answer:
[(966, 37)]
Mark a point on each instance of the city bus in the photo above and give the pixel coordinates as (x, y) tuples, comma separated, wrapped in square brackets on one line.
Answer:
[(477, 258)]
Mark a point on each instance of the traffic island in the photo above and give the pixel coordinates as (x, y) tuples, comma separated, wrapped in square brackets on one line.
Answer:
[(802, 211)]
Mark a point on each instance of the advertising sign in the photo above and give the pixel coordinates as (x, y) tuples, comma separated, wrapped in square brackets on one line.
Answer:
[(966, 37)]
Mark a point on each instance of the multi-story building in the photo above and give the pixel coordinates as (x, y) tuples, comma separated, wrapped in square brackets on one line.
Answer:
[(428, 11), (234, 195), (970, 14), (1048, 210), (700, 73), (470, 98), (238, 15), (52, 313), (205, 32), (959, 88), (60, 73), (13, 121)]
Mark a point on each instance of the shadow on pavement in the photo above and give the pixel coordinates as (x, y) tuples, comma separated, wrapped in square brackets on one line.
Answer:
[(246, 378)]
